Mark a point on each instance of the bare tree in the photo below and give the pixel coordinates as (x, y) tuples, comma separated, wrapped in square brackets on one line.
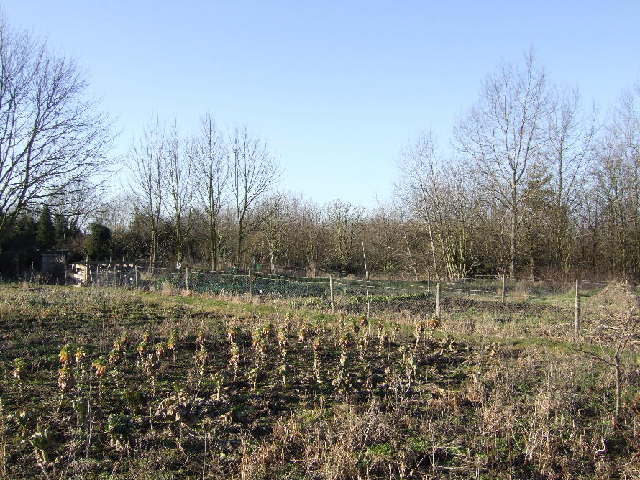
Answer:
[(180, 183), (277, 211), (571, 138), (417, 179), (147, 162), (83, 205), (502, 136), (254, 173), (617, 176), (437, 192), (344, 224), (302, 234), (388, 248), (210, 157), (52, 138)]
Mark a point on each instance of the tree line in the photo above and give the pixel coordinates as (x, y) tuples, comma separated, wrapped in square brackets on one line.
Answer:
[(534, 184)]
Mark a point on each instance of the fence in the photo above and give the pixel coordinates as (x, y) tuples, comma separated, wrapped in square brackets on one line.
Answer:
[(273, 285), (128, 275), (348, 295)]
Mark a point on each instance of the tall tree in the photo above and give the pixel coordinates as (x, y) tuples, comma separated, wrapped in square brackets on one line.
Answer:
[(147, 163), (52, 137), (180, 184), (503, 135), (254, 173), (277, 217), (437, 192), (210, 160), (617, 176), (571, 135)]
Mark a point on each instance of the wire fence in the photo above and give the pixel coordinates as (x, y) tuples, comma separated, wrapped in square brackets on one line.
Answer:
[(219, 283), (326, 287), (274, 285), (491, 296), (350, 295)]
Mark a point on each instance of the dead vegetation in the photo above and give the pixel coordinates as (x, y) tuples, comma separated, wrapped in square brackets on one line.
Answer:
[(99, 383)]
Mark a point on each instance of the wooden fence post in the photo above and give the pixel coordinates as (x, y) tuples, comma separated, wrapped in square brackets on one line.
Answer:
[(186, 278), (438, 300)]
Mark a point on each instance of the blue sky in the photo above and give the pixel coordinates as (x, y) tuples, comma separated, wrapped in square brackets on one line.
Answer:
[(336, 87)]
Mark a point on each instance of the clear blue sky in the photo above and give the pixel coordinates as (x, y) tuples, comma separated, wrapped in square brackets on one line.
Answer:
[(336, 87)]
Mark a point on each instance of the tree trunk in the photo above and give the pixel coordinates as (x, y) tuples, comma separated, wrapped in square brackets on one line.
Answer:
[(514, 228), (433, 248), (179, 240), (272, 260), (240, 243), (213, 241), (154, 248)]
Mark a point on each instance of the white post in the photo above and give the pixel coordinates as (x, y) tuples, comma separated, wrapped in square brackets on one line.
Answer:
[(333, 306)]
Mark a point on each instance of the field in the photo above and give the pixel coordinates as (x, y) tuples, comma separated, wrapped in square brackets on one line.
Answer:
[(106, 383)]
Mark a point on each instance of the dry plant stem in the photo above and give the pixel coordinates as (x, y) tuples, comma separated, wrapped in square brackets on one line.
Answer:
[(218, 380), (200, 362), (234, 360), (316, 361), (283, 346)]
